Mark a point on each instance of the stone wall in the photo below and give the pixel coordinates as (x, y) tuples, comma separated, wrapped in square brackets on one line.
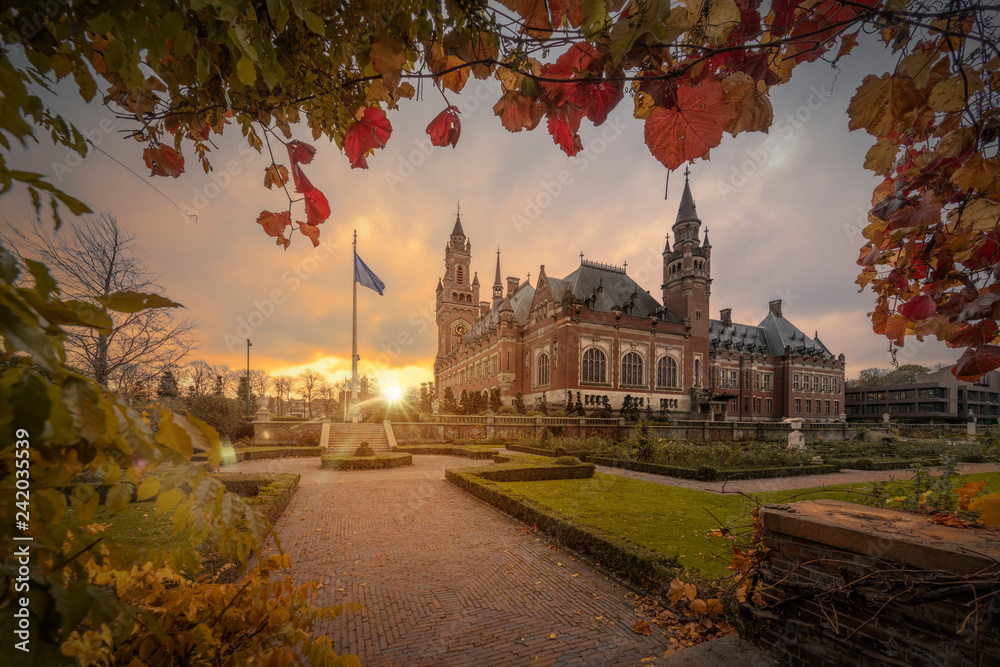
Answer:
[(287, 433), (855, 585)]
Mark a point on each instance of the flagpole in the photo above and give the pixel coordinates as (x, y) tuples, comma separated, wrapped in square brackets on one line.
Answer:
[(354, 408)]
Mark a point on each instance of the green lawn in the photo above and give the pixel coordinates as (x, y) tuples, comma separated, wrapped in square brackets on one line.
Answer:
[(672, 520), (138, 525)]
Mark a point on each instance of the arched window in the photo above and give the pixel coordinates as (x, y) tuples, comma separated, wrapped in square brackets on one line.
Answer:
[(594, 366), (632, 369), (542, 370), (666, 373), (459, 275)]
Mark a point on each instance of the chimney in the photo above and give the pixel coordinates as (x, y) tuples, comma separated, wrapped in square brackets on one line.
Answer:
[(775, 307), (726, 315), (512, 284)]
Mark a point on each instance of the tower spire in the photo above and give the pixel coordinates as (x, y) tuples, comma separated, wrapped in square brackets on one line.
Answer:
[(458, 231), (497, 284)]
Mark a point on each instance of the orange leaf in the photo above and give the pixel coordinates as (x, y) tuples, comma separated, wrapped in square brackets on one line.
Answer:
[(163, 160), (689, 131), (311, 231), (676, 591), (365, 135), (274, 223), (641, 627), (517, 111), (989, 507), (388, 57)]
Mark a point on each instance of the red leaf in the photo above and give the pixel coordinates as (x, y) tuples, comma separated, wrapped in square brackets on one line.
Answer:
[(565, 132), (274, 223), (973, 335), (300, 152), (602, 98), (163, 160), (982, 306), (367, 134), (869, 256), (517, 111), (571, 9), (445, 128), (302, 183), (311, 231), (927, 212), (977, 362), (317, 207), (689, 131), (919, 307)]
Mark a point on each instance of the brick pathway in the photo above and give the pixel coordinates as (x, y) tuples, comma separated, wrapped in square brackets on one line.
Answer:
[(444, 579)]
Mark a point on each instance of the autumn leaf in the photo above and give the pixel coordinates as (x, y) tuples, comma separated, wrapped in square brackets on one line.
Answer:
[(978, 173), (976, 362), (919, 307), (676, 591), (989, 509), (688, 131), (882, 155), (163, 160), (274, 223), (446, 127), (300, 152), (881, 101), (847, 44), (388, 57), (365, 135), (601, 99), (518, 112), (317, 207), (302, 184), (966, 493), (276, 174), (564, 131), (571, 10), (641, 627), (753, 109), (312, 231)]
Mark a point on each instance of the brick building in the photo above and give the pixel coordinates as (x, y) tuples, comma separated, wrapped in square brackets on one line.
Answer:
[(598, 333)]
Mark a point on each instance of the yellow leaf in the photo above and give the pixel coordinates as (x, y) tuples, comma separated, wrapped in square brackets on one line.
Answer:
[(981, 215), (552, 636), (699, 607), (977, 173), (690, 591), (881, 101), (276, 174), (753, 108), (676, 591), (951, 94), (881, 156), (989, 509)]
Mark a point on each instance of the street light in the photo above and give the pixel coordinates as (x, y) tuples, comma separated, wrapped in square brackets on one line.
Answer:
[(249, 344)]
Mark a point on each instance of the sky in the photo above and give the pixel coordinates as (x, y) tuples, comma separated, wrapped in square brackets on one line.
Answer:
[(784, 210)]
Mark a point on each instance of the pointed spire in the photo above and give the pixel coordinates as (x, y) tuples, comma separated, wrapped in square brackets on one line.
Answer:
[(497, 283), (706, 244), (666, 248), (687, 210), (458, 231), (440, 287), (475, 278)]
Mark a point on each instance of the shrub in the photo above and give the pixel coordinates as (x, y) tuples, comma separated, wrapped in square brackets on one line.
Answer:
[(707, 473), (861, 433), (567, 461), (603, 413), (364, 450), (376, 462), (226, 415)]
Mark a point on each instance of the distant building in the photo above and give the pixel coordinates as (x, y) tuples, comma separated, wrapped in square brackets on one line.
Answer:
[(935, 397), (599, 336)]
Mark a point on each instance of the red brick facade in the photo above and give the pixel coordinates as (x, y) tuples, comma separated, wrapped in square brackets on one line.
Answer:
[(599, 334)]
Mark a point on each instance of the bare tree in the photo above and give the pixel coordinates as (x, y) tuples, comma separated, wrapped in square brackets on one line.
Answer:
[(307, 382), (328, 393), (200, 377), (283, 388), (94, 258), (260, 383)]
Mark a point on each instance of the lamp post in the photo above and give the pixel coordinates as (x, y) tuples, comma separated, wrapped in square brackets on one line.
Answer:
[(249, 344)]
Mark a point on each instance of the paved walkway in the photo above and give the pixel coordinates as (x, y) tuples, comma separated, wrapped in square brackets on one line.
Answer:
[(444, 579)]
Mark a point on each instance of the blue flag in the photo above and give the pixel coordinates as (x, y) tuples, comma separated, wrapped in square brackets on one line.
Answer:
[(364, 275)]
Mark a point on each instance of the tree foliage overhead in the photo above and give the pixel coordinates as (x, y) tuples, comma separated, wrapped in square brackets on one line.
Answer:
[(694, 70)]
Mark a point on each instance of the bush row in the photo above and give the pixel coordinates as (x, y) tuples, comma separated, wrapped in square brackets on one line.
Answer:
[(537, 451), (515, 471), (269, 493), (865, 463), (452, 450), (632, 561), (276, 453), (377, 462)]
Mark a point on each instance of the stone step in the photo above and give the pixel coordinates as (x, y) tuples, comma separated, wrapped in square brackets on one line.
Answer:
[(345, 438)]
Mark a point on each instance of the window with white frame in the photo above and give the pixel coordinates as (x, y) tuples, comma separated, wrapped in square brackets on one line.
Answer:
[(595, 366)]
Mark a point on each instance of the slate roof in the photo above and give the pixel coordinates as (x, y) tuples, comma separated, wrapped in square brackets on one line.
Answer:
[(686, 211), (617, 289), (458, 231), (771, 336), (519, 302)]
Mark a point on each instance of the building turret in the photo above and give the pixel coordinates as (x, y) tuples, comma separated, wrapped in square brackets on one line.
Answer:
[(497, 284)]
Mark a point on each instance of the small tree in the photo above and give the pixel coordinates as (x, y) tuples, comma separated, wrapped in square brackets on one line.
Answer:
[(449, 405), (167, 386), (218, 389), (519, 404), (579, 405), (543, 405), (495, 401), (465, 403)]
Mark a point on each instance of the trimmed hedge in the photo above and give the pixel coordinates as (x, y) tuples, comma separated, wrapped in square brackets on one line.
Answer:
[(865, 463), (377, 462), (532, 450), (632, 561), (276, 453), (710, 474), (449, 450), (515, 471), (269, 493)]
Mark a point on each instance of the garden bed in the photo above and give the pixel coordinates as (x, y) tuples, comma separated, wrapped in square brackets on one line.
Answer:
[(257, 453), (711, 474), (378, 462)]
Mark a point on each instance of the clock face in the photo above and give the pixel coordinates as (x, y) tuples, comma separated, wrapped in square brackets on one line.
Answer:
[(461, 329)]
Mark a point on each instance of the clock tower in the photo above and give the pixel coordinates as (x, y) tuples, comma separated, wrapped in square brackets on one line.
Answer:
[(457, 305)]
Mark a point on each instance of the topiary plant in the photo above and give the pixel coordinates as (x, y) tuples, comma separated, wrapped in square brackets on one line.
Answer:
[(567, 461), (364, 450)]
